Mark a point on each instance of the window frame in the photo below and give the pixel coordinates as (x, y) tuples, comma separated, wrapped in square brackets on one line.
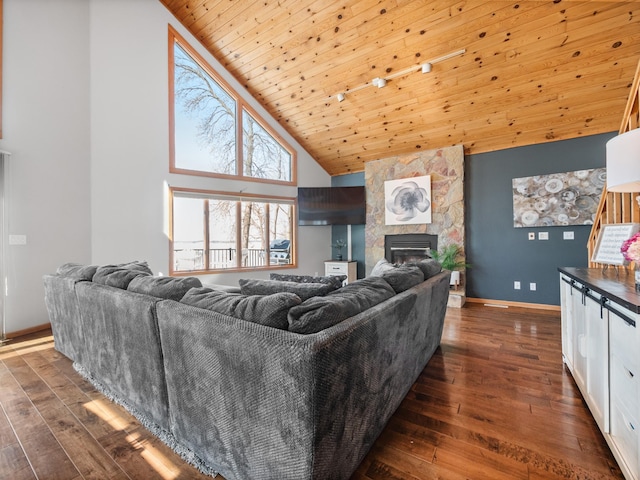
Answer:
[(237, 197), (241, 107)]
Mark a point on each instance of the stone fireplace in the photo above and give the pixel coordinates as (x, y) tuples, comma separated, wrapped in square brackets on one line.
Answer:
[(446, 168)]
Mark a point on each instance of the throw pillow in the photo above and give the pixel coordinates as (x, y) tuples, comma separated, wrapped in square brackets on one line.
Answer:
[(382, 266), (77, 271), (333, 280), (318, 313), (268, 287), (429, 267), (403, 277), (163, 287), (269, 310)]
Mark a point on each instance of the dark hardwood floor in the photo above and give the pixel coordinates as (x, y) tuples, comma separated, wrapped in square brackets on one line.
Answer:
[(495, 402)]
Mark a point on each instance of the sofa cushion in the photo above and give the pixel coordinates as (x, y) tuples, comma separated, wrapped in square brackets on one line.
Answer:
[(120, 276), (163, 287), (77, 271), (429, 267), (318, 313), (268, 287), (270, 310), (403, 277), (382, 266), (333, 280)]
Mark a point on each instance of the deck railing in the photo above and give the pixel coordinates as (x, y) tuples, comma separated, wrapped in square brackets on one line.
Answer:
[(219, 258)]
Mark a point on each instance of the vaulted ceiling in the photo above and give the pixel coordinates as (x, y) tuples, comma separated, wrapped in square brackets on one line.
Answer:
[(531, 71)]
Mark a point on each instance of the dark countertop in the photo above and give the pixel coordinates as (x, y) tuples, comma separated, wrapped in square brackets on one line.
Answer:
[(618, 286)]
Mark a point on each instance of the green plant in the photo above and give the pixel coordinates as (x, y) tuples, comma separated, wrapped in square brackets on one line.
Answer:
[(450, 257)]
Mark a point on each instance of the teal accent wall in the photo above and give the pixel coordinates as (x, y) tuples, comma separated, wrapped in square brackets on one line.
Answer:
[(501, 254)]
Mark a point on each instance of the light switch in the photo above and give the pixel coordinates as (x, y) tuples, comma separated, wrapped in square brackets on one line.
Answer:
[(17, 239)]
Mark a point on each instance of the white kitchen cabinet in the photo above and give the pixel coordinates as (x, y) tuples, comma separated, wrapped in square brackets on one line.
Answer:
[(585, 344), (600, 347), (623, 388), (597, 339), (566, 304)]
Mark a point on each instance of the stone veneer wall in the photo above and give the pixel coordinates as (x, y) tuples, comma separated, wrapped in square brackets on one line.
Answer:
[(446, 167)]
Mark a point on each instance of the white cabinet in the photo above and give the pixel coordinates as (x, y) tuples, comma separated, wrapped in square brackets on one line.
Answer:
[(341, 267), (585, 343), (566, 304), (579, 340), (597, 340), (600, 346), (623, 388)]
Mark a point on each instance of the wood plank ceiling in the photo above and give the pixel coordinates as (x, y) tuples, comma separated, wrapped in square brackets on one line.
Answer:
[(533, 71)]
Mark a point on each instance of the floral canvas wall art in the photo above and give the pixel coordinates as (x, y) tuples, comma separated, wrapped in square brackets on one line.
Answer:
[(407, 201), (557, 199)]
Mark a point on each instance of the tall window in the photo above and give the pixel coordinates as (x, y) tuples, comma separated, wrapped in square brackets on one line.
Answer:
[(214, 133), (213, 231)]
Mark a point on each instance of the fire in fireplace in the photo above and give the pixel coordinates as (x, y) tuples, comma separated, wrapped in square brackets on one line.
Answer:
[(409, 247)]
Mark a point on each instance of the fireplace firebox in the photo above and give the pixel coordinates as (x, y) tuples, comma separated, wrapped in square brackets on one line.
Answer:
[(409, 247)]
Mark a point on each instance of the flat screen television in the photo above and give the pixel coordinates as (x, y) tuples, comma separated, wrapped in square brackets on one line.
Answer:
[(331, 206)]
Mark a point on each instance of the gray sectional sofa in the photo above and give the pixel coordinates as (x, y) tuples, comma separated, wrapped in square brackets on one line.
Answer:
[(242, 397)]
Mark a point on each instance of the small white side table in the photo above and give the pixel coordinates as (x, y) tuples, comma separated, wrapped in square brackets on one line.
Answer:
[(341, 267)]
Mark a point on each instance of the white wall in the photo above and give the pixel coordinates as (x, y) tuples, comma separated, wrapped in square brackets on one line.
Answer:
[(85, 106), (130, 148), (46, 128)]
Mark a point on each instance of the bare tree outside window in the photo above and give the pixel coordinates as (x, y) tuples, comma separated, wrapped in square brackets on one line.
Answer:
[(209, 125), (205, 119), (206, 112), (263, 156)]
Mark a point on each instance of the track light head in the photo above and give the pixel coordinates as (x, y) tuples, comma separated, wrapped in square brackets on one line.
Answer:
[(379, 82)]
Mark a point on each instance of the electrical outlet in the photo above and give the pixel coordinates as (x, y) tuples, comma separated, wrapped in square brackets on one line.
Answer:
[(516, 285), (532, 235), (567, 236), (543, 235), (532, 286)]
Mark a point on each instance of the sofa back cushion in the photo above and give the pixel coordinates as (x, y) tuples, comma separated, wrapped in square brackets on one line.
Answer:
[(268, 287), (403, 277), (270, 310), (76, 271), (333, 280), (120, 275), (318, 313), (429, 267), (163, 287), (381, 266)]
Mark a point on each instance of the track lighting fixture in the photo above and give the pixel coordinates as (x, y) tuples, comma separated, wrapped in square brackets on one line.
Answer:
[(380, 82)]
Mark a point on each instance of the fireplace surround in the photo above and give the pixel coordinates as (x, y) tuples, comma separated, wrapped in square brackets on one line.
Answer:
[(409, 247), (446, 168)]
